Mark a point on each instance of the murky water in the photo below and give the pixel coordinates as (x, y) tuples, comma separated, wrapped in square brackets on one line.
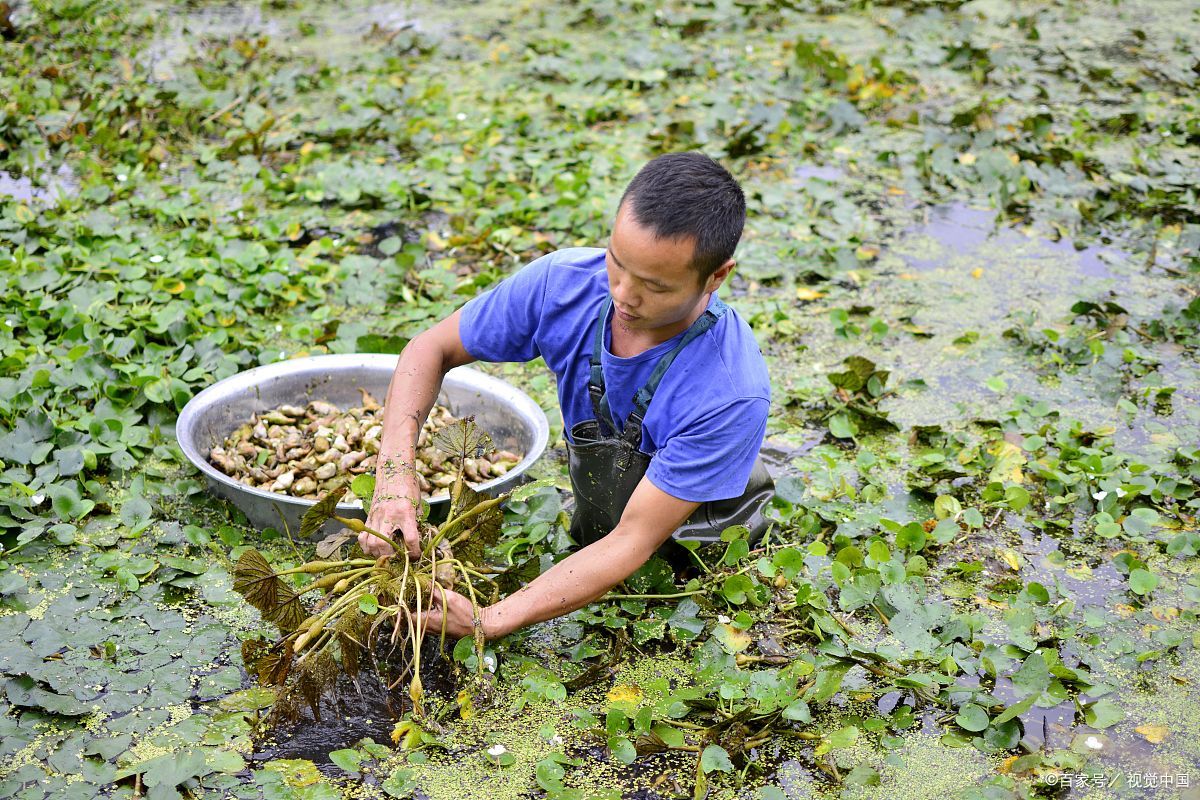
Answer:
[(50, 186), (359, 709), (342, 26), (962, 231)]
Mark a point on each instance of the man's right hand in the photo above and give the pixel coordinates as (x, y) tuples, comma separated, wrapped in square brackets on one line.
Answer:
[(395, 518), (411, 394)]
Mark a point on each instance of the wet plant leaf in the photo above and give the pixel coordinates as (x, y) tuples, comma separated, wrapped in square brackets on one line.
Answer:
[(320, 513), (715, 759), (463, 439), (265, 591), (1103, 713)]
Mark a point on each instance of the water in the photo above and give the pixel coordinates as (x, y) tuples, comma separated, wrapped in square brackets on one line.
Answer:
[(808, 173), (366, 709), (60, 183), (962, 231)]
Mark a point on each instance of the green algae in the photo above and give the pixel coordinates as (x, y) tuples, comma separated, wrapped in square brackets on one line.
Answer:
[(271, 243)]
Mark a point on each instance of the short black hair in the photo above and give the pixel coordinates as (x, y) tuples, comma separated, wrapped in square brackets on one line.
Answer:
[(690, 195)]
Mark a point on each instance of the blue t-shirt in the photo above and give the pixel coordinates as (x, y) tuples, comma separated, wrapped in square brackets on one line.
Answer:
[(707, 420)]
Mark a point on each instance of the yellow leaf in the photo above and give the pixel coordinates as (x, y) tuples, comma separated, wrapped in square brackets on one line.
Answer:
[(435, 241), (407, 734), (805, 293), (629, 696), (174, 287), (732, 639), (896, 190), (23, 213), (1009, 460), (1012, 558), (908, 276), (977, 272), (1164, 613), (466, 708), (297, 772), (866, 252), (1154, 734), (966, 159)]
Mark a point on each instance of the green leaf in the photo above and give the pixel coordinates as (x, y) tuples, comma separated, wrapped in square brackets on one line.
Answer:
[(843, 737), (1103, 713), (168, 771), (363, 487), (715, 759), (788, 561), (400, 784), (622, 749), (973, 518), (798, 711), (1140, 521), (136, 513), (528, 490), (1016, 497), (972, 718), (911, 537), (368, 604), (1016, 709), (735, 552), (946, 506), (738, 589), (348, 759), (841, 426), (68, 504), (1142, 581), (1033, 677)]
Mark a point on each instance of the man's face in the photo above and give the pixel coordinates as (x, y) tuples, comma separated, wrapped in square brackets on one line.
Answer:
[(651, 280)]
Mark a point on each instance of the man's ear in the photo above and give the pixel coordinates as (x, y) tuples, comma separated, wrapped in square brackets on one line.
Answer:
[(717, 278)]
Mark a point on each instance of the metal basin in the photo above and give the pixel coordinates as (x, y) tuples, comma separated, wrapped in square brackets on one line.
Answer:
[(514, 421)]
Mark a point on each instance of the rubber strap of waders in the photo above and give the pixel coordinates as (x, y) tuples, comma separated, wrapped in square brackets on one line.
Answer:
[(596, 389), (641, 400)]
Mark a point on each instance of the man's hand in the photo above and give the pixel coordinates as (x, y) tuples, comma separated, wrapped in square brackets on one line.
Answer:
[(649, 519), (396, 518), (410, 395), (455, 610)]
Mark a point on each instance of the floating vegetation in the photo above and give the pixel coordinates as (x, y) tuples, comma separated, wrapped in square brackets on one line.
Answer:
[(971, 261)]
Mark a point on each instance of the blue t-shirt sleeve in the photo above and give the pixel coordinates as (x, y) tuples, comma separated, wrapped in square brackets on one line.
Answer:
[(502, 323), (713, 458)]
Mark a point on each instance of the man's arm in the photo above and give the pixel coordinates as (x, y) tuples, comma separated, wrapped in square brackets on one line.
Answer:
[(413, 391), (650, 517)]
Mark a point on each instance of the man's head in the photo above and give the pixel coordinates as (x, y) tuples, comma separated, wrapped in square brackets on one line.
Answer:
[(677, 226)]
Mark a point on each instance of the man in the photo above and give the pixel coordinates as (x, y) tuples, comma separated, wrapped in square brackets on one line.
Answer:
[(663, 389)]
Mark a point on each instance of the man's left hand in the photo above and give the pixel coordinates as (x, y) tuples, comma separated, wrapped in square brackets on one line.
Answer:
[(455, 609)]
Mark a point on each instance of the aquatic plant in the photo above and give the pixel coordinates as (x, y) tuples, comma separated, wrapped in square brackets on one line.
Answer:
[(364, 608)]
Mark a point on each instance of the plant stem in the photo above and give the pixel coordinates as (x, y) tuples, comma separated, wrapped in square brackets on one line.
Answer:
[(651, 596), (451, 524), (359, 527)]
